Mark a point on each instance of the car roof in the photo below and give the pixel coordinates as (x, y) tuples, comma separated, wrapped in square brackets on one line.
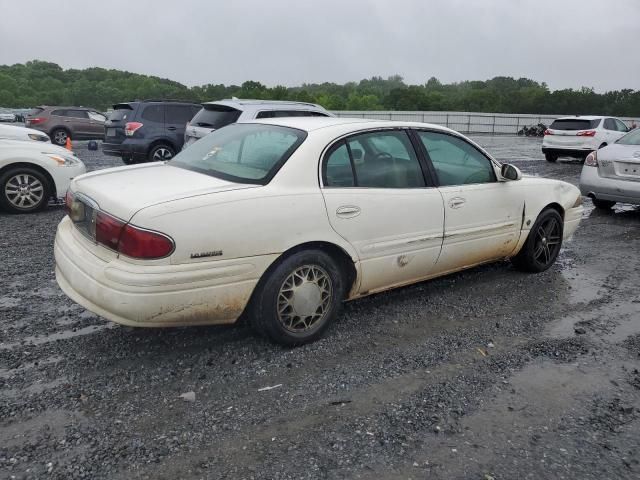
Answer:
[(584, 117), (55, 107), (310, 124), (233, 102)]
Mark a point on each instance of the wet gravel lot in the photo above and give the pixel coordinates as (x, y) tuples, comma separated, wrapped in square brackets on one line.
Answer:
[(485, 374)]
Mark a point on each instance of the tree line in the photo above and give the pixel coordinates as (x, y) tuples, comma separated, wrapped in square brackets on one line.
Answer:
[(45, 83)]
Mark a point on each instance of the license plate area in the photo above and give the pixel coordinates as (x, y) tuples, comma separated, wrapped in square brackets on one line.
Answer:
[(111, 132), (628, 169)]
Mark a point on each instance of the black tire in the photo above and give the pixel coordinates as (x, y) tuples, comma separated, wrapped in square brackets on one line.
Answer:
[(273, 311), (32, 188), (59, 136), (161, 153), (550, 157), (603, 204), (543, 244)]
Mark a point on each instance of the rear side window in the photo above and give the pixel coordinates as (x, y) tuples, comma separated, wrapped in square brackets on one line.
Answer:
[(178, 114), (215, 116), (574, 124), (609, 124), (59, 113), (153, 113)]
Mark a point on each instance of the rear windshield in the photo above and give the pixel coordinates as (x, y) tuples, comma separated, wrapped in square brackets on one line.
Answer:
[(215, 116), (242, 153), (120, 112), (574, 124), (631, 138), (35, 111)]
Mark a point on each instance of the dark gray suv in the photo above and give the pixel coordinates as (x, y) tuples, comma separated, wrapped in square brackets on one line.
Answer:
[(147, 130)]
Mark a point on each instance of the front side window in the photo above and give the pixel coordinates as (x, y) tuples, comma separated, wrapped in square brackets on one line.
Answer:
[(456, 162), (620, 126), (242, 153), (384, 159), (77, 114)]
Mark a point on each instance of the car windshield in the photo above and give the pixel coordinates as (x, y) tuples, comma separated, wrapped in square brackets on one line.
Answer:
[(574, 124), (631, 138), (242, 153)]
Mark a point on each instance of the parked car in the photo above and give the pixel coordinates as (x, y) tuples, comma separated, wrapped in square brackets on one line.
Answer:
[(32, 173), (578, 136), (285, 218), (147, 131), (60, 123), (215, 115), (13, 132), (7, 117), (612, 174)]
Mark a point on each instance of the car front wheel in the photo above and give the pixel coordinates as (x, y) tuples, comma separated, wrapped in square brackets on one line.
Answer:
[(543, 244), (299, 298), (24, 190)]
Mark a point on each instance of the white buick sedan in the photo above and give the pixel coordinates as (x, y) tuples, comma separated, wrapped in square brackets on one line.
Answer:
[(285, 218)]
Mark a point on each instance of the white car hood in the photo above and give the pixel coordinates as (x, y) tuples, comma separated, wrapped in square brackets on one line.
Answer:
[(123, 191)]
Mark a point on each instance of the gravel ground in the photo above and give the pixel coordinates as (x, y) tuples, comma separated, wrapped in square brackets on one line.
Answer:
[(485, 374)]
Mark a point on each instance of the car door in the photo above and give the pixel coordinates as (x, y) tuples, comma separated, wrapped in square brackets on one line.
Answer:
[(483, 216), (175, 122), (379, 200), (78, 120)]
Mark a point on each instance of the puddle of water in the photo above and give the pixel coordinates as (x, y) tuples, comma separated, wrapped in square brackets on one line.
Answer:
[(66, 334)]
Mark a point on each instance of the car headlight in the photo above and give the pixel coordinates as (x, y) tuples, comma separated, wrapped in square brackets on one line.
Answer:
[(39, 138), (63, 160)]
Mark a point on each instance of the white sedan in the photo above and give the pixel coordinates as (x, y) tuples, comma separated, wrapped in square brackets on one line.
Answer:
[(12, 132), (612, 174), (32, 173), (285, 218)]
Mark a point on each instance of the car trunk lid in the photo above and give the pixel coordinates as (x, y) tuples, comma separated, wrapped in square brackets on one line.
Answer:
[(620, 162), (114, 126), (123, 191)]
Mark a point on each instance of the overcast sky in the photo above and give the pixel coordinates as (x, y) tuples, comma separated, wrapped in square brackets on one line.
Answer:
[(568, 43)]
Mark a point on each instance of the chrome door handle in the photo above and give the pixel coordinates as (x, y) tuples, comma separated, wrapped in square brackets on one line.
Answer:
[(348, 211), (457, 202)]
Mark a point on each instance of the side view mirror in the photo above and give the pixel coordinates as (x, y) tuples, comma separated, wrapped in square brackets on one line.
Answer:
[(510, 172)]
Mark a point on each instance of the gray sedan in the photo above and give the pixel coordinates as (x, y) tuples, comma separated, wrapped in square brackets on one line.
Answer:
[(612, 174)]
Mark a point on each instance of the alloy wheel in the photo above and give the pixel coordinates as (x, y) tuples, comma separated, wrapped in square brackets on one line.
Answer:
[(304, 298), (547, 243), (162, 154), (60, 137), (24, 191)]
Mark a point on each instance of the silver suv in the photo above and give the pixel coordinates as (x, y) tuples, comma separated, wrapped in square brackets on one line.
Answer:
[(214, 115)]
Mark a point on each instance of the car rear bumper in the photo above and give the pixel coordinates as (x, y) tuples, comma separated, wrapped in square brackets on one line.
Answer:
[(154, 295), (126, 149), (604, 188), (568, 151)]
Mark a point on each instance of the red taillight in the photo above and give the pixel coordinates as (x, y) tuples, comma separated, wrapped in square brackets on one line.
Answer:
[(68, 201), (129, 240), (548, 132), (131, 127), (592, 159), (108, 230), (138, 243), (586, 133), (35, 120)]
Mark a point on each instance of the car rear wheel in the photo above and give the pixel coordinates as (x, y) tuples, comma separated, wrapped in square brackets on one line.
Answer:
[(24, 190), (161, 153), (550, 157), (59, 136), (299, 298), (603, 204), (543, 244)]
